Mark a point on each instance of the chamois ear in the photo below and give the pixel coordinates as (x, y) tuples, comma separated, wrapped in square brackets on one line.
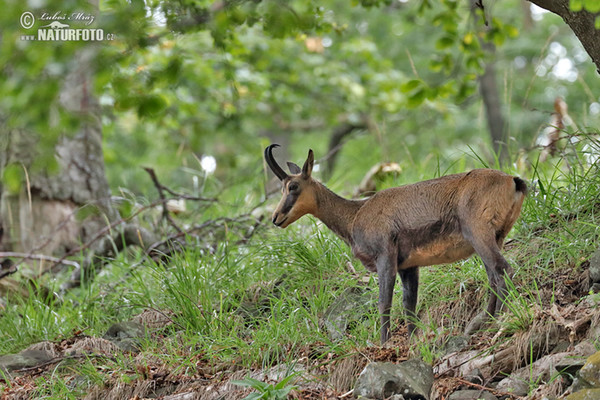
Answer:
[(308, 164), (294, 169)]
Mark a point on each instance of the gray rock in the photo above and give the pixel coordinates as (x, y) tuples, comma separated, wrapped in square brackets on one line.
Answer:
[(126, 335), (350, 306), (595, 288), (579, 384), (411, 379), (472, 395), (454, 344), (479, 322), (32, 356), (585, 394), (595, 267), (181, 396), (544, 368), (513, 385), (474, 376), (569, 366)]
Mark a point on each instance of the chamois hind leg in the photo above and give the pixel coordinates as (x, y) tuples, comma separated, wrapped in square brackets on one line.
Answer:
[(386, 271), (410, 289), (496, 266)]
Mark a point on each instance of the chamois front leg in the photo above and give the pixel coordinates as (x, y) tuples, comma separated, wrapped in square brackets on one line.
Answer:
[(410, 286), (386, 271)]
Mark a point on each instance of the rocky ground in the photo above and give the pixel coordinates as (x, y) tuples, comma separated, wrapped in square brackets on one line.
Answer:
[(555, 357)]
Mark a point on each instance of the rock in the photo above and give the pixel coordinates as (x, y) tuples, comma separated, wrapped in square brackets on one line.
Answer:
[(569, 366), (579, 384), (543, 369), (411, 379), (585, 394), (126, 335), (34, 355), (595, 267), (590, 371), (181, 396), (474, 376), (595, 288), (561, 347), (513, 385), (472, 395), (479, 322), (454, 344), (350, 306)]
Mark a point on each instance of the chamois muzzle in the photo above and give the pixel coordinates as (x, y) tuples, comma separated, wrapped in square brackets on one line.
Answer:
[(277, 170)]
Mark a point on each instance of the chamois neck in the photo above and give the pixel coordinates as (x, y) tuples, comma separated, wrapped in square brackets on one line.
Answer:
[(336, 212)]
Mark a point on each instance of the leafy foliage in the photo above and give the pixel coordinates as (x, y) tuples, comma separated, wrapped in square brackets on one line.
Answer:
[(266, 391)]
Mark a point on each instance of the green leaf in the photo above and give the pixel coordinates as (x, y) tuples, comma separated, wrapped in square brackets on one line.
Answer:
[(255, 396), (424, 6), (436, 65), (512, 31), (447, 89), (576, 5), (253, 383), (597, 23), (417, 98), (284, 382), (444, 42), (431, 93), (12, 178), (469, 38), (410, 85), (498, 38), (592, 6), (151, 105), (475, 63)]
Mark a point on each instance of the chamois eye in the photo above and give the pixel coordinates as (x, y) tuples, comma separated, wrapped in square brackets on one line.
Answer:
[(293, 187)]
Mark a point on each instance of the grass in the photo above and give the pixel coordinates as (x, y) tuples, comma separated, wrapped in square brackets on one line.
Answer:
[(258, 304)]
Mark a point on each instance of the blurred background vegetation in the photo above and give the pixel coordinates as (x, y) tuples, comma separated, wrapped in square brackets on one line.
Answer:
[(185, 82)]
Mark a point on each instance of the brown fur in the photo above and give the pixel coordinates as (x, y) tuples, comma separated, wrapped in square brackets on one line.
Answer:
[(438, 221)]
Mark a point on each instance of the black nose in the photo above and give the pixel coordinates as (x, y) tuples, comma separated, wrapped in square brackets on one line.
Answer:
[(274, 219)]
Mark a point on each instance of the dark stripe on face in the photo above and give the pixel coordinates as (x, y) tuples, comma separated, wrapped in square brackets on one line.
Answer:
[(290, 200)]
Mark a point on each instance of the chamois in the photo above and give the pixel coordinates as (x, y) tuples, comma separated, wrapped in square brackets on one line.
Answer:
[(397, 230)]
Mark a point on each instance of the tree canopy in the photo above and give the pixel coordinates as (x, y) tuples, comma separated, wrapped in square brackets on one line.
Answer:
[(183, 79)]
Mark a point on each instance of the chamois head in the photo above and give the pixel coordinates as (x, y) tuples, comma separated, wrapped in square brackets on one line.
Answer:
[(298, 189)]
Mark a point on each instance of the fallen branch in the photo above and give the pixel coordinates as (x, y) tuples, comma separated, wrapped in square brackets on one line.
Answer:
[(41, 257), (100, 234), (56, 360), (488, 389)]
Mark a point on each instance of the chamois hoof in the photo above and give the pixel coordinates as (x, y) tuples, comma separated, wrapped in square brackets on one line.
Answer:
[(478, 323)]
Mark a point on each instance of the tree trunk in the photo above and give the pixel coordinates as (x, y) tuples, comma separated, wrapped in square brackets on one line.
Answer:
[(493, 110), (58, 210), (335, 142), (582, 23), (488, 89)]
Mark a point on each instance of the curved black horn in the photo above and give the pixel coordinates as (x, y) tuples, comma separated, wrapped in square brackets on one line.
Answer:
[(280, 173)]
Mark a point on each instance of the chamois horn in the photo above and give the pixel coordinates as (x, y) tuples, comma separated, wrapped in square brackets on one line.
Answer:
[(277, 170)]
